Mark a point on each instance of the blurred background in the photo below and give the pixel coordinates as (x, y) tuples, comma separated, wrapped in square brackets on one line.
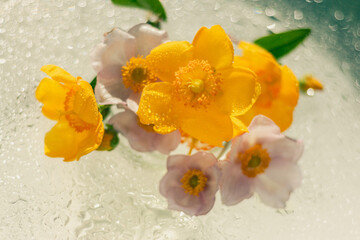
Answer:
[(114, 195)]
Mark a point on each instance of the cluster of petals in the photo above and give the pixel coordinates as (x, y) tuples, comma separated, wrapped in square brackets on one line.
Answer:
[(262, 161), (201, 91), (110, 58), (71, 102), (191, 183), (279, 86)]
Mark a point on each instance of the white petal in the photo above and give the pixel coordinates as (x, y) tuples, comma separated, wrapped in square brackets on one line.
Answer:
[(263, 129), (234, 185), (168, 142), (147, 38), (103, 97), (285, 149), (133, 101), (111, 78), (117, 48), (202, 161), (179, 200), (277, 182)]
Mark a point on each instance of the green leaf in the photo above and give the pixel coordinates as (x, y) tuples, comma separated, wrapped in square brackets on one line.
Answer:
[(93, 83), (156, 24), (104, 110), (115, 140), (282, 43), (154, 6), (109, 133)]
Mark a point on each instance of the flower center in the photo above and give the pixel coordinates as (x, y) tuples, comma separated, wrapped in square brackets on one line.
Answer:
[(71, 116), (254, 161), (136, 74), (194, 182), (197, 84)]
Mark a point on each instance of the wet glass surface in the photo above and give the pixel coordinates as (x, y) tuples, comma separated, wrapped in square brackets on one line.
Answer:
[(114, 195)]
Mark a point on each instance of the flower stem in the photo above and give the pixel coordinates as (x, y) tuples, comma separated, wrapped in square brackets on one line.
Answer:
[(226, 146)]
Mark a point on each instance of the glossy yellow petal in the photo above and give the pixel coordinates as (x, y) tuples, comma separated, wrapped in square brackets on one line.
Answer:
[(256, 55), (289, 92), (64, 142), (239, 91), (207, 125), (58, 74), (167, 58), (156, 107), (84, 103), (282, 107), (61, 141), (238, 126), (215, 46), (280, 112), (92, 139), (52, 94)]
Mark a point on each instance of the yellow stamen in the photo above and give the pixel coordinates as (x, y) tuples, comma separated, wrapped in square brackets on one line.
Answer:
[(197, 84), (194, 181), (254, 161), (136, 74)]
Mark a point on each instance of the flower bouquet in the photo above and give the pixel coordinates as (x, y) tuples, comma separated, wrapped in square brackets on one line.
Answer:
[(229, 110)]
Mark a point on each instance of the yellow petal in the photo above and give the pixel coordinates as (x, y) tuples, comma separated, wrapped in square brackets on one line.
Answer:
[(238, 126), (64, 142), (207, 125), (167, 58), (52, 94), (61, 141), (214, 46), (58, 74), (282, 107), (84, 103), (253, 51), (289, 92), (156, 107), (239, 91)]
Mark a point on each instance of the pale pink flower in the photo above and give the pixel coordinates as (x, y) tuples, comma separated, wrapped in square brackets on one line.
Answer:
[(262, 161), (121, 74), (116, 52), (191, 183)]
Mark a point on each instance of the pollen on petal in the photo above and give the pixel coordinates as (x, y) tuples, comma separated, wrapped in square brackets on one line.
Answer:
[(197, 84)]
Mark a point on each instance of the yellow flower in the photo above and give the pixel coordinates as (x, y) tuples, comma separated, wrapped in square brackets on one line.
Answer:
[(279, 87), (201, 92), (71, 102)]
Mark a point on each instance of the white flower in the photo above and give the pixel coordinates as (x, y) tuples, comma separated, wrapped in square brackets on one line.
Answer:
[(262, 161)]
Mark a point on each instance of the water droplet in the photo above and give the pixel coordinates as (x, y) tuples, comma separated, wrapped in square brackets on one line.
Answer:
[(2, 60), (310, 92), (298, 15), (82, 3), (339, 15), (271, 27), (270, 12)]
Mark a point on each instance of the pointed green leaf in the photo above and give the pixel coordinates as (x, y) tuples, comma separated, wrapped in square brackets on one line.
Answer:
[(154, 6), (282, 43), (93, 83)]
